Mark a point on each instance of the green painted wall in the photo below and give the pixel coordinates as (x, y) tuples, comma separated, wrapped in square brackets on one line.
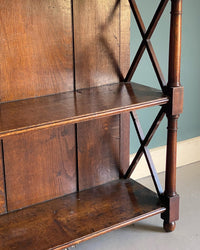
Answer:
[(189, 122)]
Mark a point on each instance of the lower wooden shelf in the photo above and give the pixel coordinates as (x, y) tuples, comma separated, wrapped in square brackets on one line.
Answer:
[(68, 220)]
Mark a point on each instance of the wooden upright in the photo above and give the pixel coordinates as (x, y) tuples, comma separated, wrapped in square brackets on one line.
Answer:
[(175, 107), (65, 100)]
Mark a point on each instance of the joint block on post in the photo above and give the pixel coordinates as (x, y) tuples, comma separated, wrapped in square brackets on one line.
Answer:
[(172, 209), (176, 102)]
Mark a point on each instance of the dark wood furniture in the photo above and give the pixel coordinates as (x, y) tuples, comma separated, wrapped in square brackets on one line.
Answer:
[(66, 100)]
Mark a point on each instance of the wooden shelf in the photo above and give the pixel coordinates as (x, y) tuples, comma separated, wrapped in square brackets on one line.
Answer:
[(73, 107), (77, 217)]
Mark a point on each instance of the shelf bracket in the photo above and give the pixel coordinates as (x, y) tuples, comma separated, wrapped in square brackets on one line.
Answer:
[(175, 105)]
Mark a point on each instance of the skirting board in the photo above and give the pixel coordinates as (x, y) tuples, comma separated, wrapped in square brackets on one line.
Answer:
[(188, 151)]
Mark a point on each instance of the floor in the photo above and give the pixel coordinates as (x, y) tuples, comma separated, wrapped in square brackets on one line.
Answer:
[(148, 234)]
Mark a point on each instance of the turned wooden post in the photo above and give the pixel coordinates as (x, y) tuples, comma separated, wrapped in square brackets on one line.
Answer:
[(175, 91)]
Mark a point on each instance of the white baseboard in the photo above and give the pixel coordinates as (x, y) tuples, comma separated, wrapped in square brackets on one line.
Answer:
[(188, 151)]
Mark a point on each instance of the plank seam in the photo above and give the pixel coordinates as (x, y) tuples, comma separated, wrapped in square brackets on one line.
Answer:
[(74, 81), (73, 44), (4, 176)]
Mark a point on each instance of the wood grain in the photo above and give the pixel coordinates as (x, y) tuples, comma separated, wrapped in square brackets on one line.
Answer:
[(39, 166), (96, 35), (35, 48), (124, 143), (124, 67), (72, 107), (2, 184), (174, 88), (74, 218), (124, 37), (98, 151)]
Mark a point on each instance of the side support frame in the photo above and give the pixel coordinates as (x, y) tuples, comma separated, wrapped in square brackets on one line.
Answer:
[(175, 107)]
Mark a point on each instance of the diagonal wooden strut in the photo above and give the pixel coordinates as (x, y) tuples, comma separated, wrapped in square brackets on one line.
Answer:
[(143, 148), (146, 152), (146, 43)]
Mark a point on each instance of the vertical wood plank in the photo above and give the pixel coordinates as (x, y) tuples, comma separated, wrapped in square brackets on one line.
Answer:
[(96, 33), (101, 57), (36, 52), (124, 37), (124, 142), (2, 191), (39, 166), (124, 67), (98, 151)]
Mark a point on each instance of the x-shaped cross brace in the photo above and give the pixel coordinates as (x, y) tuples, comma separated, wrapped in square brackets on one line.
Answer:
[(146, 43), (144, 141)]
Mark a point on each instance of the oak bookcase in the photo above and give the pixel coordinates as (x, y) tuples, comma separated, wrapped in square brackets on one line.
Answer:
[(66, 99)]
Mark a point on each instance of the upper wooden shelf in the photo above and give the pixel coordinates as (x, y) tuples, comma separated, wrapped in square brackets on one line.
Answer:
[(76, 106)]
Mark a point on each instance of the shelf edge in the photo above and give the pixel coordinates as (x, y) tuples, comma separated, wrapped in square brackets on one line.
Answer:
[(83, 118), (109, 229)]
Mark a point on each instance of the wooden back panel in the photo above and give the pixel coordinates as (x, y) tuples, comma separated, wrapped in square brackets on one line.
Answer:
[(96, 36), (101, 41), (37, 58), (101, 32), (35, 48), (39, 165)]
